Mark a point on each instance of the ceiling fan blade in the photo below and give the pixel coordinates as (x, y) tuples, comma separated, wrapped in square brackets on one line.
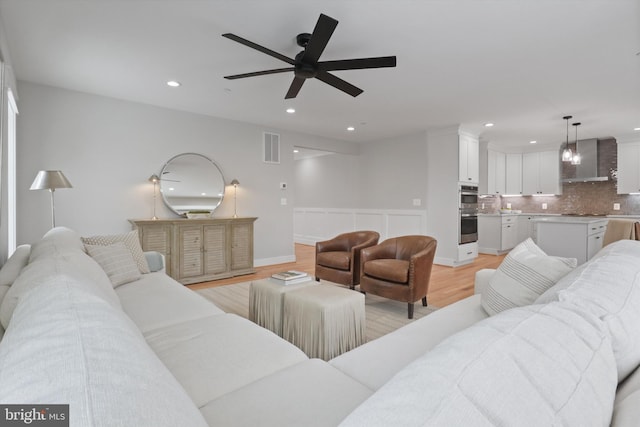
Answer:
[(338, 83), (259, 73), (259, 48), (358, 64), (319, 39), (295, 87)]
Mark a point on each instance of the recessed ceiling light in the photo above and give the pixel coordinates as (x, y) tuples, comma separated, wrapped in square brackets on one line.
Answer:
[(296, 151), (636, 128), (351, 128), (488, 125), (532, 142), (203, 194), (291, 110), (173, 83)]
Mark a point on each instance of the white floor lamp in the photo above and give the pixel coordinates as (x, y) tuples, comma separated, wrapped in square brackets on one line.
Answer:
[(50, 180)]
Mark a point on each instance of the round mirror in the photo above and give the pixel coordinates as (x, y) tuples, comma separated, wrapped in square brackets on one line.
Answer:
[(192, 185)]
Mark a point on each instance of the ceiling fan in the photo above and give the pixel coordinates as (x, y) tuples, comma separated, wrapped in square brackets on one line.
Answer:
[(306, 64)]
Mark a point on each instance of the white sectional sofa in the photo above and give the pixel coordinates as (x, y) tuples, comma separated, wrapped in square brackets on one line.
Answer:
[(150, 352)]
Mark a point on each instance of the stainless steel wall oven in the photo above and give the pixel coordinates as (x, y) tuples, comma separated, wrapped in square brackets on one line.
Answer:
[(468, 213)]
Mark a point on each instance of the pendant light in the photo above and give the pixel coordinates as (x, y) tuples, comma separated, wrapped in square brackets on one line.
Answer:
[(567, 154), (577, 158)]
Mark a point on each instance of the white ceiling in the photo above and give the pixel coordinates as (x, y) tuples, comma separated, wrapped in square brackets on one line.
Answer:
[(522, 64)]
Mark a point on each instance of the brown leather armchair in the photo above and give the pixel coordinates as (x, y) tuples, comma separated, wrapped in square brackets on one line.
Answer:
[(338, 259), (399, 269)]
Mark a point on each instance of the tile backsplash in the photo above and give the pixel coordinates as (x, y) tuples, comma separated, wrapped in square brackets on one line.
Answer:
[(582, 198)]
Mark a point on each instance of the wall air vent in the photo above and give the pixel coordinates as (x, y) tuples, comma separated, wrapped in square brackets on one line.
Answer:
[(271, 143)]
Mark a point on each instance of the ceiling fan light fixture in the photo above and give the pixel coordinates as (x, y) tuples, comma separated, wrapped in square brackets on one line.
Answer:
[(291, 110), (351, 128)]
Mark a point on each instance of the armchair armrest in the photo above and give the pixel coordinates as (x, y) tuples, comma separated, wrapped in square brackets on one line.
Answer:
[(335, 244), (482, 280)]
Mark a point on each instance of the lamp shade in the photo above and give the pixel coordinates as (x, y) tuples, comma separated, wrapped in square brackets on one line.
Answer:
[(154, 178), (235, 182), (50, 180)]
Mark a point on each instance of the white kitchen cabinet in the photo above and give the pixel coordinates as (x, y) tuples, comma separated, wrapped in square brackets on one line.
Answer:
[(513, 173), (628, 168), (579, 238), (468, 159), (497, 233), (525, 227), (496, 170), (541, 173), (467, 251)]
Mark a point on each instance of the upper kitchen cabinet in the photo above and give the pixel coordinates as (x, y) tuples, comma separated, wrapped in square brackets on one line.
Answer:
[(541, 173), (513, 173), (469, 154), (496, 172), (628, 168)]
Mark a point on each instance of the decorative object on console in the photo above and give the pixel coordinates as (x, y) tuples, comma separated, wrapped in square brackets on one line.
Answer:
[(154, 178), (567, 154), (577, 158), (235, 184), (50, 180)]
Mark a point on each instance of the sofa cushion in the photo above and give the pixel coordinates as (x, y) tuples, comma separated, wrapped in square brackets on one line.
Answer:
[(376, 362), (626, 409), (65, 345), (310, 393), (130, 239), (14, 265), (538, 365), (338, 259), (116, 260), (215, 355), (524, 274), (392, 270), (156, 301), (608, 287), (72, 263)]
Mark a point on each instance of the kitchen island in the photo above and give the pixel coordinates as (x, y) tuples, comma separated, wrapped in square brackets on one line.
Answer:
[(571, 237)]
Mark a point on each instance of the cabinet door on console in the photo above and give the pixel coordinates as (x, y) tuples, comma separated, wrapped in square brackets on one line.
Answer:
[(191, 260), (241, 246), (215, 253)]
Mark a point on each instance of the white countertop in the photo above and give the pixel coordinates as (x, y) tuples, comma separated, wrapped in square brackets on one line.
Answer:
[(572, 219)]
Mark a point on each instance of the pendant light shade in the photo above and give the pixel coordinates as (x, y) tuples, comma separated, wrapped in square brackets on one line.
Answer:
[(567, 154), (577, 158)]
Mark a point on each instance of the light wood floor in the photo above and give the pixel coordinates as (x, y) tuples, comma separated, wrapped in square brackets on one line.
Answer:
[(447, 285)]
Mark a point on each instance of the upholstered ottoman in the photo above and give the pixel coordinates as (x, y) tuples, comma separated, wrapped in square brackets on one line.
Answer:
[(324, 321), (266, 299)]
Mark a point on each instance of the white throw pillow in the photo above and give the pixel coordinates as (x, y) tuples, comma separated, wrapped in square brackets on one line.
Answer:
[(116, 260), (525, 274), (540, 365), (14, 265), (130, 239)]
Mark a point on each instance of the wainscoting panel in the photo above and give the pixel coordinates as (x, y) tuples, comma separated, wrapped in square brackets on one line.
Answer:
[(315, 224)]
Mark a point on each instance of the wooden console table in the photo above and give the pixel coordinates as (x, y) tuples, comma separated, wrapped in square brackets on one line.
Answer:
[(199, 250)]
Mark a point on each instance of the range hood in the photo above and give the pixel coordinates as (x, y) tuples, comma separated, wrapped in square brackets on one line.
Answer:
[(588, 169)]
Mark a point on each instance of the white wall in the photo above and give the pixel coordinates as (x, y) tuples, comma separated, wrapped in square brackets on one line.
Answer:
[(329, 181), (108, 148), (394, 172)]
